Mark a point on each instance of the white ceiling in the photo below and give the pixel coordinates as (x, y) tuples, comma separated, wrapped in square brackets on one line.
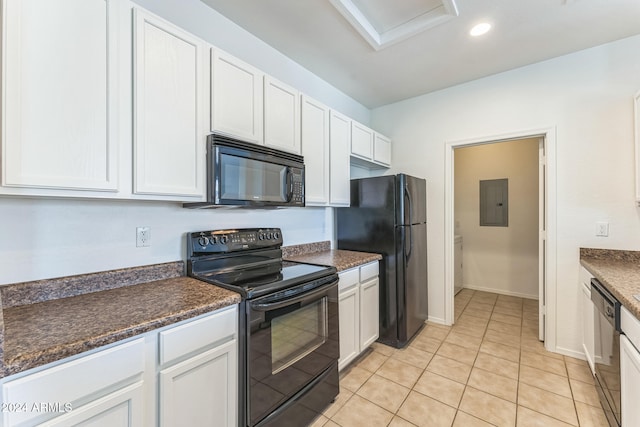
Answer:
[(317, 36)]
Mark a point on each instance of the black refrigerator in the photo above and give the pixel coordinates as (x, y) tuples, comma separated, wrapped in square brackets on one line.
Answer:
[(388, 215)]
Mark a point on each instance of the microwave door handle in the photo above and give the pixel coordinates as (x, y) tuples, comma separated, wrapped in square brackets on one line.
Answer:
[(289, 184)]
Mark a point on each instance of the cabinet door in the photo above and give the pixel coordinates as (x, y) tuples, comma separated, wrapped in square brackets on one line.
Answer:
[(361, 141), (339, 167), (369, 313), (315, 149), (349, 308), (60, 85), (382, 150), (236, 98), (281, 116), (122, 408), (587, 324), (202, 390), (169, 137), (630, 383)]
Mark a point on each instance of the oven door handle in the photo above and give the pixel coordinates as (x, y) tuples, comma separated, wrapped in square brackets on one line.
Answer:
[(276, 304)]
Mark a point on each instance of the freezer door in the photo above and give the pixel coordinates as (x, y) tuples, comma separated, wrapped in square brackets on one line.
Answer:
[(412, 281), (412, 200)]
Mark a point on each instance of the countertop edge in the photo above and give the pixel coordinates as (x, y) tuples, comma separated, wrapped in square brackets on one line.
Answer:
[(626, 299), (54, 353), (339, 258)]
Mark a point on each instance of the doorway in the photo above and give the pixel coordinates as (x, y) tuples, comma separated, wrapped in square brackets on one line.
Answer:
[(545, 260)]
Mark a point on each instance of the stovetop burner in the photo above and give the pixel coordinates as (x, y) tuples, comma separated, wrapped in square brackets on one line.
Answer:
[(248, 261)]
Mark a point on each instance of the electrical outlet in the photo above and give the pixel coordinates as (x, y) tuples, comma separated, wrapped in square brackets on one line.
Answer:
[(602, 229), (143, 236)]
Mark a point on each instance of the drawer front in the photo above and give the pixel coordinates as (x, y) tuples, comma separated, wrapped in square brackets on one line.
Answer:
[(368, 271), (630, 325), (348, 279), (83, 378), (181, 341)]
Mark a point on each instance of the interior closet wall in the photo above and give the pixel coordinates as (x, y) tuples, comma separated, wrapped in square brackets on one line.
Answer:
[(499, 259)]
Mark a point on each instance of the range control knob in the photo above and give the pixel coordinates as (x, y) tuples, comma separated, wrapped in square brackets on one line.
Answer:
[(270, 236), (203, 241), (276, 235), (224, 240), (261, 236), (213, 240)]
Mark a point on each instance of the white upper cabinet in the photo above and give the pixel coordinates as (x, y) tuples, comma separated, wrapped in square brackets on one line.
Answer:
[(169, 101), (369, 149), (60, 88), (281, 116), (236, 98), (361, 141), (315, 149), (382, 150), (339, 147)]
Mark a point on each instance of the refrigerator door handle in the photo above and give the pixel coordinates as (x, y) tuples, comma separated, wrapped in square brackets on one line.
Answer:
[(409, 207)]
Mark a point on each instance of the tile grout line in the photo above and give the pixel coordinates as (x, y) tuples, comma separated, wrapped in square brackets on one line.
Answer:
[(483, 339)]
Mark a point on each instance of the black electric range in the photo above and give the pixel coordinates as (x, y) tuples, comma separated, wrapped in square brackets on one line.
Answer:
[(288, 326)]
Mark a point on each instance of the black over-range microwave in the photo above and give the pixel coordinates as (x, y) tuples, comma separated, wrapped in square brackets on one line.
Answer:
[(250, 175)]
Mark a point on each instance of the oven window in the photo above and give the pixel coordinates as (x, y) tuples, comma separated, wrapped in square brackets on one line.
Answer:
[(298, 333), (248, 179)]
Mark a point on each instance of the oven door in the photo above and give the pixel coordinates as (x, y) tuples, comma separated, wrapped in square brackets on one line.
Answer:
[(293, 339)]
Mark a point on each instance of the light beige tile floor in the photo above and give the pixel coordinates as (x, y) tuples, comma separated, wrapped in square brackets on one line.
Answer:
[(489, 369)]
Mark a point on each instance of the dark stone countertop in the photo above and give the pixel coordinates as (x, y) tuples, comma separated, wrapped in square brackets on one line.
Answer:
[(323, 255), (48, 320), (618, 271)]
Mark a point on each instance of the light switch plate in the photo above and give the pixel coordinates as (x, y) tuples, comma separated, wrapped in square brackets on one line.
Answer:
[(602, 229)]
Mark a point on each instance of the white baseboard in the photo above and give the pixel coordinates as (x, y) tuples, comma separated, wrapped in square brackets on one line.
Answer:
[(571, 353), (500, 291), (437, 320)]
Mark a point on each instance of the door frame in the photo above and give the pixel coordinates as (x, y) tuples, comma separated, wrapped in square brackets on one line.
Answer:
[(549, 262)]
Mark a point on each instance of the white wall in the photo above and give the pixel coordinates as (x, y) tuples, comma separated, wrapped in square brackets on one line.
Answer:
[(587, 97), (44, 238), (499, 259)]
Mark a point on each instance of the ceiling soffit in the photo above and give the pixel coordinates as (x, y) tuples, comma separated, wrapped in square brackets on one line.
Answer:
[(382, 23)]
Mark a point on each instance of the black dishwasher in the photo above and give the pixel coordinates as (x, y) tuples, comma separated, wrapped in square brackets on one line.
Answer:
[(607, 350)]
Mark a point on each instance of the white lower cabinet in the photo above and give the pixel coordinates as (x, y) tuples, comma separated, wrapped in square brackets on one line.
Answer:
[(359, 311), (193, 365), (349, 307), (91, 387), (369, 311), (629, 368), (187, 396), (198, 376), (587, 308), (630, 383), (118, 409)]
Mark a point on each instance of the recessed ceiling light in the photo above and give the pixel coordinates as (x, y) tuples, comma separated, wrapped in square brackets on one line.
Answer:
[(480, 29)]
